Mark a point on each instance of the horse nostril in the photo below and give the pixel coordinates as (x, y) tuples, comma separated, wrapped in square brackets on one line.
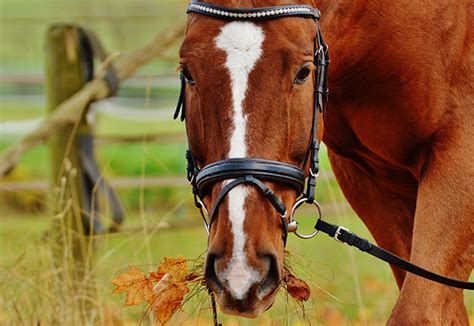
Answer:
[(272, 279), (240, 283), (210, 273)]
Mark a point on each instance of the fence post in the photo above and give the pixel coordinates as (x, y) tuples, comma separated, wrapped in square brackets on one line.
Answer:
[(69, 66)]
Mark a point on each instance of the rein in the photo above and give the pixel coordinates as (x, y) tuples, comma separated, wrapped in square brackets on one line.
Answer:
[(343, 235), (254, 171)]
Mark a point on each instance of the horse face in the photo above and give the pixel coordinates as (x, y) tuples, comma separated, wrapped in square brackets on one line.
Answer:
[(249, 94)]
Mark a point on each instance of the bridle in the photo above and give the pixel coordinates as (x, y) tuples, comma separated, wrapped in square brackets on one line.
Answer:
[(254, 171)]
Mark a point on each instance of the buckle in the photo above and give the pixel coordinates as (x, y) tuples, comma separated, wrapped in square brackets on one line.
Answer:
[(338, 233)]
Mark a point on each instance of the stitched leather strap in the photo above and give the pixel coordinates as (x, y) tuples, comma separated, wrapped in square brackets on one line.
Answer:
[(343, 235), (258, 168), (267, 192)]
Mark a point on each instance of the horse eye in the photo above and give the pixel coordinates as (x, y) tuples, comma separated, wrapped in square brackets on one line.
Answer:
[(187, 75), (303, 74)]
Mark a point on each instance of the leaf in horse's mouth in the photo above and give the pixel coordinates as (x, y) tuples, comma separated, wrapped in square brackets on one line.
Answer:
[(164, 289), (168, 297), (298, 289), (137, 285)]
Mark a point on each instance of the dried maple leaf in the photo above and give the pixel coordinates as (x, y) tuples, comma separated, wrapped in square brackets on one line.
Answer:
[(168, 294), (167, 298), (177, 268), (298, 289), (136, 284)]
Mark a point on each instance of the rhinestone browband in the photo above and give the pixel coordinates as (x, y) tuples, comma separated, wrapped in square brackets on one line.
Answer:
[(252, 13)]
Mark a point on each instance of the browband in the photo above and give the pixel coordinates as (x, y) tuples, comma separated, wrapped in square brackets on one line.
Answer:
[(252, 13)]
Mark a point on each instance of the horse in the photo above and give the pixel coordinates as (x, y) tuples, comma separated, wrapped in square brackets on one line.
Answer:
[(398, 128)]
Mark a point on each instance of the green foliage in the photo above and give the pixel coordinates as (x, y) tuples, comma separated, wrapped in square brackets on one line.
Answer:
[(32, 201)]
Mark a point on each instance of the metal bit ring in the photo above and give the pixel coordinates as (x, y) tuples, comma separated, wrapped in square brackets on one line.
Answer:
[(292, 218)]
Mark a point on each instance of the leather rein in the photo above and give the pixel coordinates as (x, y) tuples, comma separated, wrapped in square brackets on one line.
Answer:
[(253, 171)]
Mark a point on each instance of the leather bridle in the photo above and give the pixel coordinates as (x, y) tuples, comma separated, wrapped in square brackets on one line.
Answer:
[(254, 171)]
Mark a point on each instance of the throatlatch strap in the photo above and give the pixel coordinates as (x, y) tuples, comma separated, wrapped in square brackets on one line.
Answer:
[(343, 235)]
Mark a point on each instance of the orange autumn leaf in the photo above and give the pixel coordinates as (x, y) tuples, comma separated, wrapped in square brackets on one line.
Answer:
[(168, 298), (168, 294), (177, 268), (136, 284), (298, 289)]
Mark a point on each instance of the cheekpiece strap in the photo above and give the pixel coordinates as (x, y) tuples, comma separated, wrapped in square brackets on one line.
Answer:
[(321, 60), (181, 106), (192, 171)]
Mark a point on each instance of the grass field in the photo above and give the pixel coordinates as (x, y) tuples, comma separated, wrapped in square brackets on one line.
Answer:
[(345, 286), (27, 275), (348, 287)]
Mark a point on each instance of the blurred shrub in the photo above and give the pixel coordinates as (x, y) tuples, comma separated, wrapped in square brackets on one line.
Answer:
[(29, 201)]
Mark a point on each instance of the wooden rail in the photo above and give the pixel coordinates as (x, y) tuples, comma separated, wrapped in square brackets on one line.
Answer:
[(69, 111)]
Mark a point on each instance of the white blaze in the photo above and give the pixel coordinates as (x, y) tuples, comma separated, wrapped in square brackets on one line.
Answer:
[(242, 42)]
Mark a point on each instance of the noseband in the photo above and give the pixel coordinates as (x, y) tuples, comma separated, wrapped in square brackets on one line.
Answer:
[(254, 171)]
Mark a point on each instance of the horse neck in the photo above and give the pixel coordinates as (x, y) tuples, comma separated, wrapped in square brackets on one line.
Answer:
[(344, 26), (367, 38)]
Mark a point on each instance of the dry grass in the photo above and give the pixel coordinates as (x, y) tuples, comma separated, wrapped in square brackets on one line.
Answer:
[(42, 282)]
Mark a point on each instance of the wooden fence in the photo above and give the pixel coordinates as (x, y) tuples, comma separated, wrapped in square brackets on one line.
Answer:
[(71, 85)]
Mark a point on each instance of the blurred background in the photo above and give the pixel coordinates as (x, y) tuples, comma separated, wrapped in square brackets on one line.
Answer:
[(140, 152)]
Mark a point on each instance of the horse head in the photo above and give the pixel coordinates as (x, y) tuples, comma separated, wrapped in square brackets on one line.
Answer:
[(248, 88)]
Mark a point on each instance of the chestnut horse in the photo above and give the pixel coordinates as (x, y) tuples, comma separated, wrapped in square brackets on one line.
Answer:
[(399, 129)]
